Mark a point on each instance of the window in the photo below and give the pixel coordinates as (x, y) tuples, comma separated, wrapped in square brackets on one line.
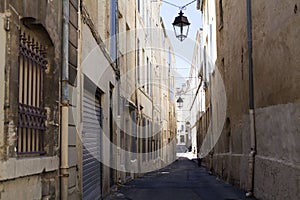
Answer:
[(134, 135), (113, 29), (147, 22), (31, 112), (147, 76), (139, 5), (138, 61), (144, 139), (182, 138), (221, 14), (150, 82), (204, 69), (144, 71), (149, 136)]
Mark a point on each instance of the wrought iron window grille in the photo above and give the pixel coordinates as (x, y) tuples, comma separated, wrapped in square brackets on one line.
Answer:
[(31, 112)]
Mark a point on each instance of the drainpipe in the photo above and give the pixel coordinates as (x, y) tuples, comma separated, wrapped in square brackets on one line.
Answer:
[(118, 79), (251, 105), (138, 115), (64, 166)]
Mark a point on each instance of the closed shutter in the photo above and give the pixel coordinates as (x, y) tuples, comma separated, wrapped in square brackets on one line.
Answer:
[(91, 139)]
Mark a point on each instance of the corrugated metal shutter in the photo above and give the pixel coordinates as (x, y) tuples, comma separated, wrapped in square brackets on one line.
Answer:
[(91, 139)]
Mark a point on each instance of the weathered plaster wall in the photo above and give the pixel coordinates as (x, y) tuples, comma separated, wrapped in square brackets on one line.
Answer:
[(30, 16), (31, 187), (276, 85), (15, 189), (277, 168), (96, 65), (35, 175), (276, 52)]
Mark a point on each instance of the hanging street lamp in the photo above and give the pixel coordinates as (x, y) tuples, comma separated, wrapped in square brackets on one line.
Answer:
[(181, 26), (179, 102)]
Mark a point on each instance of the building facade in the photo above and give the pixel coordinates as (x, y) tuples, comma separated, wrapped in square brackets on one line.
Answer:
[(84, 103), (256, 150), (206, 129), (197, 105), (30, 99), (184, 115)]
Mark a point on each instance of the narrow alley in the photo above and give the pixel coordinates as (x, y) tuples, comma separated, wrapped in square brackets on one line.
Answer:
[(183, 179), (120, 99)]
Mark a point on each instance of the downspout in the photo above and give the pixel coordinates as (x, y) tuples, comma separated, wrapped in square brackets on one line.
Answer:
[(168, 95), (211, 119), (138, 116), (118, 79), (251, 104), (64, 171)]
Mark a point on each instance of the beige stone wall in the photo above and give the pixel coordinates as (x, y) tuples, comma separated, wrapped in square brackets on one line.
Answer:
[(277, 168), (276, 53), (276, 85), (16, 189), (31, 187), (34, 176), (96, 65)]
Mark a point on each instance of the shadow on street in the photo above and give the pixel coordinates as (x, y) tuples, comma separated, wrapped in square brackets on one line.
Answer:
[(181, 180)]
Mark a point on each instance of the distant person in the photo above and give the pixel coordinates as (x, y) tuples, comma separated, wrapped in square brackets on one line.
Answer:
[(199, 158)]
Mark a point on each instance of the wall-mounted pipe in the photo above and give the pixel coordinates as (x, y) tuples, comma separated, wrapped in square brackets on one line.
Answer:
[(251, 104), (64, 166), (118, 79)]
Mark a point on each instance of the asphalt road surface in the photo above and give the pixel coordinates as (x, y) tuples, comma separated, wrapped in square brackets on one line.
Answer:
[(182, 180)]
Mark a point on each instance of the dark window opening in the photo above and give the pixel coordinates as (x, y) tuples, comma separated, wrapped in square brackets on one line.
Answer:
[(221, 14), (31, 112)]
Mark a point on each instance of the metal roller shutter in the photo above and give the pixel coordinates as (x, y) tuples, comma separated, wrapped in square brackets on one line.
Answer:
[(91, 139)]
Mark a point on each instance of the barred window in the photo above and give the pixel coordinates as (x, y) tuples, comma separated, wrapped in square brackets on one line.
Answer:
[(31, 112), (221, 14), (181, 138)]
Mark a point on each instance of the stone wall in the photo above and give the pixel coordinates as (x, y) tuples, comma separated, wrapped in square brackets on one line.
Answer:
[(36, 174), (276, 97), (277, 164)]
